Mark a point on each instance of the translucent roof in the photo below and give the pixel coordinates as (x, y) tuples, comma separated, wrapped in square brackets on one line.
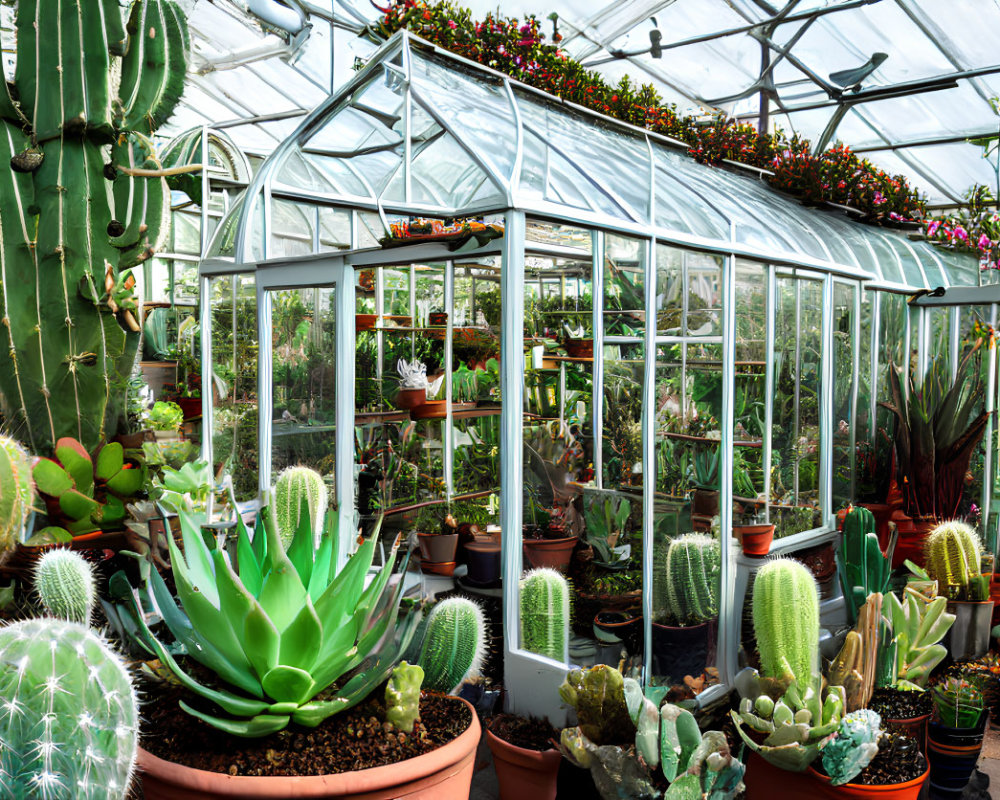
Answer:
[(421, 132)]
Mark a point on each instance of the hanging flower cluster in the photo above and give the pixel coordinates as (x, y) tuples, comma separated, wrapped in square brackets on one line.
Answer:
[(974, 229), (519, 49)]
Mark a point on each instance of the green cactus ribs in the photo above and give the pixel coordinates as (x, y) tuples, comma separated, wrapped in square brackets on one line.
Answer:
[(545, 613), (454, 644), (298, 488), (66, 304)]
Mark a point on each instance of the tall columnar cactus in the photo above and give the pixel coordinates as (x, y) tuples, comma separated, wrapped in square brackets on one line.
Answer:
[(86, 85), (454, 643), (69, 721), (692, 578), (295, 486), (17, 491), (545, 613), (862, 566), (952, 553), (64, 581), (786, 620)]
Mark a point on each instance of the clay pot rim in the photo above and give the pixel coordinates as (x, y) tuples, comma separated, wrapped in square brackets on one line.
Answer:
[(482, 546), (904, 720), (622, 624), (420, 533), (535, 758), (874, 788), (683, 627), (547, 544), (373, 779)]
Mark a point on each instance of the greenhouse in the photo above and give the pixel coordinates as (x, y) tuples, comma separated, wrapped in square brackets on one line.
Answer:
[(472, 423)]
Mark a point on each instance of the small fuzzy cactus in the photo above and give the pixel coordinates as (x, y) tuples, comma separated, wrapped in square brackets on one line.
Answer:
[(69, 721), (17, 492), (952, 553), (692, 578), (295, 486), (786, 620), (545, 613), (402, 696), (454, 644), (64, 581)]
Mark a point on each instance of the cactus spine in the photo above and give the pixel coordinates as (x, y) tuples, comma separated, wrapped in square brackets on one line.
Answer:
[(454, 644), (692, 578), (65, 583), (295, 486), (17, 491), (786, 620), (69, 721), (952, 554), (67, 242), (545, 613)]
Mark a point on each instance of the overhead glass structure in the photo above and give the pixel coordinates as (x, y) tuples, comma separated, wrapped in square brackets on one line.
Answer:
[(677, 347)]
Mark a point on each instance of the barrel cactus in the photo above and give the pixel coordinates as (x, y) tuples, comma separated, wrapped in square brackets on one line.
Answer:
[(83, 200), (69, 721), (295, 486), (692, 578), (952, 553), (64, 581), (786, 620), (17, 491), (545, 613), (454, 643)]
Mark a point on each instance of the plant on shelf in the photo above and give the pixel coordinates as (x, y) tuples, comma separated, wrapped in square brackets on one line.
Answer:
[(952, 552), (939, 423), (165, 415), (17, 493), (623, 737), (545, 613), (605, 521), (862, 567), (85, 201)]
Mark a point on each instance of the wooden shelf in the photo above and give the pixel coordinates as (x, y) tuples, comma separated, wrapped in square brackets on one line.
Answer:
[(684, 437)]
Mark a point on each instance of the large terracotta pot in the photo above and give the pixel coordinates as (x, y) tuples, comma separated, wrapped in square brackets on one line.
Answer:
[(442, 774), (524, 774), (408, 399), (894, 791), (554, 553), (755, 539), (764, 781), (952, 754)]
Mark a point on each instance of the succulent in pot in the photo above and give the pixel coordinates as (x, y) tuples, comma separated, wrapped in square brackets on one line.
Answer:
[(955, 735), (413, 383)]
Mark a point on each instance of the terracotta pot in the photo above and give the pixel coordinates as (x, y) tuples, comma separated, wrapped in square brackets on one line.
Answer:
[(133, 441), (705, 502), (430, 409), (682, 651), (555, 553), (364, 322), (484, 562), (952, 754), (442, 774), (437, 318), (524, 774), (755, 539), (912, 533), (896, 791), (408, 399), (438, 547), (882, 513), (764, 781), (915, 728), (446, 568)]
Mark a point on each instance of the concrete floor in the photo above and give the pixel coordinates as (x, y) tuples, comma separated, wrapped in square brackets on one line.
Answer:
[(989, 761)]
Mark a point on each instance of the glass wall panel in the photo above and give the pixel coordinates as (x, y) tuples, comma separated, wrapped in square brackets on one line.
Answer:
[(750, 387), (844, 386), (624, 311), (303, 379), (234, 369)]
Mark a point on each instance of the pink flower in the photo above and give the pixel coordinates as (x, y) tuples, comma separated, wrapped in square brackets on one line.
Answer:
[(984, 242), (452, 24), (961, 233)]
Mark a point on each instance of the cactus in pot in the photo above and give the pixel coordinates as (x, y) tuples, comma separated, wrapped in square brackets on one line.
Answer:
[(64, 581), (454, 643), (545, 613), (693, 564), (298, 487), (952, 552), (862, 567), (84, 200), (788, 642), (17, 492)]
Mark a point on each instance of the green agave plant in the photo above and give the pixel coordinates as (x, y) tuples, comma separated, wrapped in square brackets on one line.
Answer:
[(281, 627)]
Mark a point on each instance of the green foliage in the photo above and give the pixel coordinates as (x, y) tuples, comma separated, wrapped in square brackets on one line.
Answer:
[(545, 613), (862, 567), (402, 696), (69, 723), (706, 468), (298, 488), (605, 522), (188, 487), (76, 121), (788, 643), (918, 628), (693, 566), (82, 492), (454, 644), (854, 746), (64, 581), (17, 492), (957, 703), (282, 628), (166, 415), (951, 554)]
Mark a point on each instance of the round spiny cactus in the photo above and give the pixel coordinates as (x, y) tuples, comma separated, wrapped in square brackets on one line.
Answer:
[(17, 492), (454, 644), (786, 620), (69, 721), (545, 613), (64, 581), (693, 564), (294, 486), (952, 554)]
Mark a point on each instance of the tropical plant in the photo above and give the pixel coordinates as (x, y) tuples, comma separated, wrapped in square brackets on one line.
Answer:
[(957, 703), (918, 628), (706, 468), (605, 522), (65, 584), (85, 201), (862, 567), (951, 555), (693, 565), (454, 643), (280, 629), (545, 613), (939, 422), (165, 415), (297, 489), (69, 723), (17, 492)]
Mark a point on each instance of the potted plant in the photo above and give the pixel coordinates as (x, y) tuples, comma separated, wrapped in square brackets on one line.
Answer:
[(544, 542), (754, 533), (862, 567), (438, 540), (285, 638), (955, 735), (525, 756), (166, 418), (605, 519), (686, 607), (705, 499), (545, 611), (953, 551), (412, 384), (576, 343)]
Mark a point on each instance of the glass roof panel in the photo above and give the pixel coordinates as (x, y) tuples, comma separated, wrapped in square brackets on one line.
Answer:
[(223, 244), (914, 272), (679, 208)]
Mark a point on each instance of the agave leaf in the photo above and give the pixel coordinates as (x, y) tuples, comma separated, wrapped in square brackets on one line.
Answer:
[(197, 558), (310, 715), (264, 639), (246, 560), (253, 728), (340, 598), (302, 640), (300, 551), (260, 538), (323, 562)]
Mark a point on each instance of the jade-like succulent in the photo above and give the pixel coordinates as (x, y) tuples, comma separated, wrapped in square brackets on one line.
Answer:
[(598, 695), (64, 581), (17, 492), (69, 721), (854, 746), (951, 554), (402, 696), (788, 642), (862, 567), (454, 644), (918, 628), (693, 564), (298, 487), (545, 613)]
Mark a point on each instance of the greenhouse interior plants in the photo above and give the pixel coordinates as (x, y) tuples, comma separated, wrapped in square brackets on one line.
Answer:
[(436, 401)]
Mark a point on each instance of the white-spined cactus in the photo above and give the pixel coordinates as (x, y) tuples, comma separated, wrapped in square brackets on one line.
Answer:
[(64, 581), (299, 487), (69, 719), (454, 644), (545, 613)]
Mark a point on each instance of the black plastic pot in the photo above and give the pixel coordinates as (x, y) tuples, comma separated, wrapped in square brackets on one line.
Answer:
[(484, 562), (681, 651), (952, 754)]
